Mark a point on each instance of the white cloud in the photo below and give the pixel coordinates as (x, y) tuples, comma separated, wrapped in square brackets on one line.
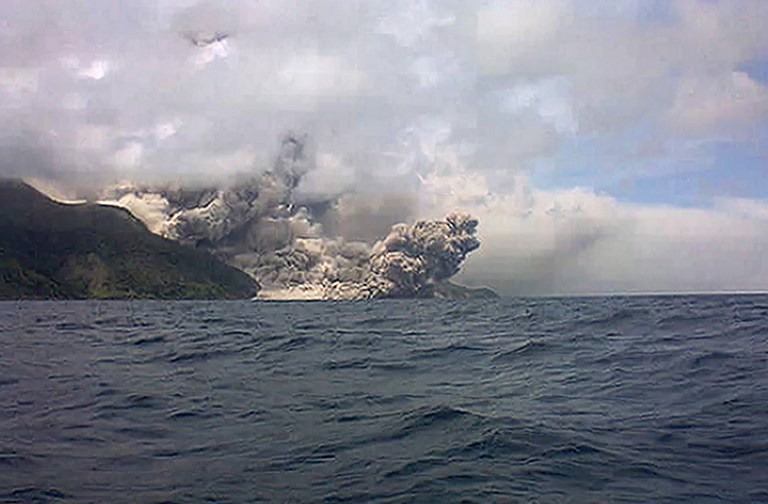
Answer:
[(74, 101), (219, 49), (743, 207), (719, 35), (91, 137), (413, 22), (622, 71), (199, 164), (167, 129), (577, 241), (520, 35), (129, 156), (97, 70), (310, 74), (429, 71), (549, 98), (600, 245), (18, 86), (707, 104)]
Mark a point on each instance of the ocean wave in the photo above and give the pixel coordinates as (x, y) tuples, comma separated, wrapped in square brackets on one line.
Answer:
[(655, 399)]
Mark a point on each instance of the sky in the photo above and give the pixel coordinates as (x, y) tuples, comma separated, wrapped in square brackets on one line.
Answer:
[(606, 146)]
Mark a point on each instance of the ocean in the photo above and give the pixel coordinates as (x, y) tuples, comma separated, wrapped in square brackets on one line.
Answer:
[(536, 400)]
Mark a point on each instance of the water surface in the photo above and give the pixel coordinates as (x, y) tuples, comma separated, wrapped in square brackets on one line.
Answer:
[(637, 399)]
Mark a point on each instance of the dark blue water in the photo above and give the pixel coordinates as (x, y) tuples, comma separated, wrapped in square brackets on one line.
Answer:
[(644, 399)]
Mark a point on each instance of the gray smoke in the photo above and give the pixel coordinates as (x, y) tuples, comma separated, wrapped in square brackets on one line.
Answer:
[(258, 225)]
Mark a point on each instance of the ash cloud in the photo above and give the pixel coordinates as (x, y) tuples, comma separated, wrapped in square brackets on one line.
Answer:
[(261, 225)]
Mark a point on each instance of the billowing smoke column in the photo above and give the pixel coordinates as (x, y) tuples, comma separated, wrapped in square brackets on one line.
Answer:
[(258, 226), (411, 259)]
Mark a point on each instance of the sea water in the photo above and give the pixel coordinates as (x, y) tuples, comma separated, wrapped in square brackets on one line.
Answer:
[(615, 399)]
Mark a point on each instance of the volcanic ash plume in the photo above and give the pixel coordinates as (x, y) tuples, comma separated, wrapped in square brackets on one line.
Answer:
[(259, 226), (411, 259)]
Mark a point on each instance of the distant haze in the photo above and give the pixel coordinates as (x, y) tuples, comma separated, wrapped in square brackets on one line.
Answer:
[(604, 145)]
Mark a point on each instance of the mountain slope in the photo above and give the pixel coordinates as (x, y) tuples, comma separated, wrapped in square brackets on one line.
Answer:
[(51, 250)]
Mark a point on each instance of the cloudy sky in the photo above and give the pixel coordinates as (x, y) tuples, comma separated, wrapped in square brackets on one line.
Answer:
[(605, 145)]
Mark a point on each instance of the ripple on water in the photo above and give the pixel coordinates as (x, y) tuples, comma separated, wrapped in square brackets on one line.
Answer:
[(655, 399)]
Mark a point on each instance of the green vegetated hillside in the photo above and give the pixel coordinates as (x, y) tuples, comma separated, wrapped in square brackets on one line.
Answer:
[(51, 250)]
